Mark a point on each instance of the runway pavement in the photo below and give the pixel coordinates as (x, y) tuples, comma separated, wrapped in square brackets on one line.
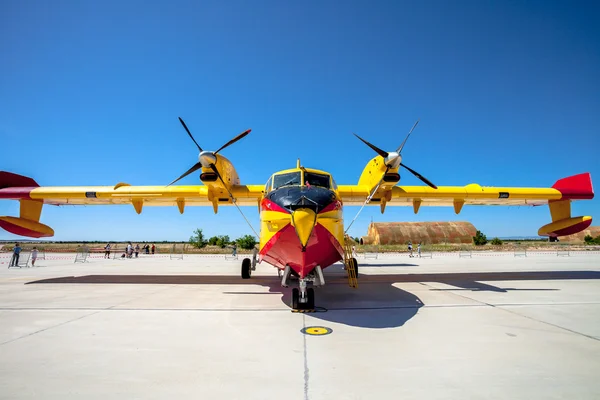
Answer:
[(492, 326)]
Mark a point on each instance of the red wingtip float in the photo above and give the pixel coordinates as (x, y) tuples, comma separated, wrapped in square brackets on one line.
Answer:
[(302, 227)]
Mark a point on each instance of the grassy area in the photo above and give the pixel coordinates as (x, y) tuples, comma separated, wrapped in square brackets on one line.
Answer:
[(506, 246), (161, 247), (166, 247)]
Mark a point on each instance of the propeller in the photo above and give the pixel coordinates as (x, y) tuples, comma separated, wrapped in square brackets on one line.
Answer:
[(207, 159), (394, 159)]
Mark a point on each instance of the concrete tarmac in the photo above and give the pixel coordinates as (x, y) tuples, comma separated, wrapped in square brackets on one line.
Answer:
[(492, 326)]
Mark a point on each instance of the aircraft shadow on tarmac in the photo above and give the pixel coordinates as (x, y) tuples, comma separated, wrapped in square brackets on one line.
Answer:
[(389, 265), (375, 304)]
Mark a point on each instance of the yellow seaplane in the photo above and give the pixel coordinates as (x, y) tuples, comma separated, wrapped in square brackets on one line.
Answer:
[(301, 224)]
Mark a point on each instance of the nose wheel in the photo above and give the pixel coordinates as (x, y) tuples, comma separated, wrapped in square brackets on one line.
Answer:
[(303, 303)]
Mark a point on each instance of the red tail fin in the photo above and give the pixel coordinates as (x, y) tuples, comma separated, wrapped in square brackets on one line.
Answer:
[(576, 187), (8, 179)]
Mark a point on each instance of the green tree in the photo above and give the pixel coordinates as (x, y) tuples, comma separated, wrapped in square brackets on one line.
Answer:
[(496, 242), (479, 239), (246, 242), (222, 241), (197, 240), (213, 241)]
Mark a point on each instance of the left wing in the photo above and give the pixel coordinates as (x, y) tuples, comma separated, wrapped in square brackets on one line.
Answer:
[(32, 197), (558, 197)]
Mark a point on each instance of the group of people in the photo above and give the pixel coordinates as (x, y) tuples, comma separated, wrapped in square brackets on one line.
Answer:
[(14, 261), (131, 250), (410, 250)]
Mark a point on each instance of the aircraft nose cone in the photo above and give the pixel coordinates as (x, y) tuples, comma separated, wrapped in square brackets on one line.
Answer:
[(304, 220)]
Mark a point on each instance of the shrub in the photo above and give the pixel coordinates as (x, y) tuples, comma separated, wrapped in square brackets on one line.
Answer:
[(222, 241), (197, 240), (496, 242), (479, 239), (213, 240), (246, 242)]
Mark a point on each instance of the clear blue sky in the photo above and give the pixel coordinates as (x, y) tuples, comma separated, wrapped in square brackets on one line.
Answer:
[(508, 94)]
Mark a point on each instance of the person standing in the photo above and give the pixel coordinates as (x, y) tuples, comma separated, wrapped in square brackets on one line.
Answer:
[(419, 250), (153, 248), (14, 262), (137, 250), (410, 253), (34, 254), (107, 250)]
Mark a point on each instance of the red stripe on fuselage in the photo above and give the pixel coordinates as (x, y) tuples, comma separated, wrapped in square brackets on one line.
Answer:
[(268, 205), (285, 249), (16, 193)]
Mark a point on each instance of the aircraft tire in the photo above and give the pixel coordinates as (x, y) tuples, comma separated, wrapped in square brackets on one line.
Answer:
[(246, 268), (295, 299), (310, 304), (355, 265)]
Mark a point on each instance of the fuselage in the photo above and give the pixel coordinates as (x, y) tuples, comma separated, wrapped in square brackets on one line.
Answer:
[(301, 221)]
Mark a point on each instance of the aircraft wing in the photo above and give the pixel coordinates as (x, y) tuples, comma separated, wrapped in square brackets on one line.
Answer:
[(32, 197), (472, 194), (558, 197)]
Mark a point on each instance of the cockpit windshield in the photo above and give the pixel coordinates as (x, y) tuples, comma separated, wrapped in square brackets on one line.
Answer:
[(313, 179), (289, 179)]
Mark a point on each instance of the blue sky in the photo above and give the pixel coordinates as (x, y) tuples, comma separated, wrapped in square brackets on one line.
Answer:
[(508, 94)]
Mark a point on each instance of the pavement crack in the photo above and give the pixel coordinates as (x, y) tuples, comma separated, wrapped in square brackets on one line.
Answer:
[(50, 327), (306, 371), (501, 307), (548, 323)]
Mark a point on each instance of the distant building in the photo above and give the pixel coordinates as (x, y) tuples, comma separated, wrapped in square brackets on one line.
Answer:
[(419, 232)]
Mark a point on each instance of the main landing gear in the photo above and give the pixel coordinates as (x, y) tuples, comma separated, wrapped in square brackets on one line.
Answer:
[(249, 265)]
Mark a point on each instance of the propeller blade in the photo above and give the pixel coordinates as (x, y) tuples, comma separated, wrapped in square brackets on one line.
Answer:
[(196, 167), (399, 151), (235, 139), (421, 177), (189, 133), (382, 153)]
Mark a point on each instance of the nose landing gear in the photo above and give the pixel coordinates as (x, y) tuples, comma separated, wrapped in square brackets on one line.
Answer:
[(303, 298)]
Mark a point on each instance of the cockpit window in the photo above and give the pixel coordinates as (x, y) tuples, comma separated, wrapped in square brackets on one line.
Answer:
[(313, 179), (268, 185), (289, 179)]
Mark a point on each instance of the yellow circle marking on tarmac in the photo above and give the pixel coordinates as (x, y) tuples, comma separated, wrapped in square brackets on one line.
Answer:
[(317, 330)]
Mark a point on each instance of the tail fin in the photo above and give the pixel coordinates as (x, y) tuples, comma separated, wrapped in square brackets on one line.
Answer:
[(8, 179), (18, 187), (576, 187)]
